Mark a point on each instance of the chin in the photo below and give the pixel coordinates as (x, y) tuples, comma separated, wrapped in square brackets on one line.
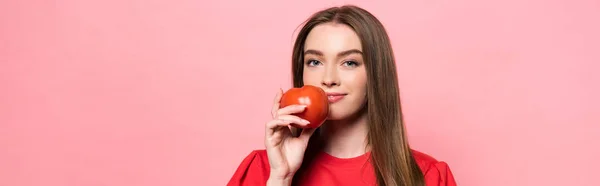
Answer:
[(335, 116)]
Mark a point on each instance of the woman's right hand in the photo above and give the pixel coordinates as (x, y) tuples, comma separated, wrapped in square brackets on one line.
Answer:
[(285, 152)]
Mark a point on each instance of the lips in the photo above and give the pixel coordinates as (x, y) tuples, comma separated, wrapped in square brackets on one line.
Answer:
[(335, 97)]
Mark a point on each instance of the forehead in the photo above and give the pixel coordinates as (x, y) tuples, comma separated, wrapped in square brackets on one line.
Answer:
[(332, 38)]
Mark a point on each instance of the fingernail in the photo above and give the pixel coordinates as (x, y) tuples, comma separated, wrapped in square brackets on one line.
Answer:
[(305, 121)]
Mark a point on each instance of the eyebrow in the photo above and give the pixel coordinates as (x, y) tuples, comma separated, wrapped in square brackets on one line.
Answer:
[(343, 53)]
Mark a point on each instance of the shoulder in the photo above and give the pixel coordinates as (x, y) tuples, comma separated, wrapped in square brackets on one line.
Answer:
[(253, 170), (260, 153), (423, 160), (257, 155), (436, 172), (257, 158)]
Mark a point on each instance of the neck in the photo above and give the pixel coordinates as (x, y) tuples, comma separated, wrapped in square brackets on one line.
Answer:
[(346, 138)]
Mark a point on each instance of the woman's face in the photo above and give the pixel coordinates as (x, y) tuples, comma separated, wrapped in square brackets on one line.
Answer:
[(333, 61)]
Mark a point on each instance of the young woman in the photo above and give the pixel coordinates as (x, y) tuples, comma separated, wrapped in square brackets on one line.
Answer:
[(346, 52)]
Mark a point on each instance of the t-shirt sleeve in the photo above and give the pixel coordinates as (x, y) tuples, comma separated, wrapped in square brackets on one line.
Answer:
[(439, 174), (254, 170)]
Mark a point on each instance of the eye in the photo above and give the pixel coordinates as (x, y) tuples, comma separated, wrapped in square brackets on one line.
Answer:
[(350, 63), (313, 62)]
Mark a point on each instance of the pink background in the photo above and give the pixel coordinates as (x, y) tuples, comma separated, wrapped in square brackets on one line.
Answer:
[(177, 92)]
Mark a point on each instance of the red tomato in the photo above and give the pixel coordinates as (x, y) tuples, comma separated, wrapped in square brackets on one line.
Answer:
[(315, 99)]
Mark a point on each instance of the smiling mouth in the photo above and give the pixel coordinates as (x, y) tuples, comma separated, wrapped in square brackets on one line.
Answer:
[(335, 97)]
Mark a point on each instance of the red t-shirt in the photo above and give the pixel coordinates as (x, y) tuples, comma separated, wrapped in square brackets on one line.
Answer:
[(329, 170)]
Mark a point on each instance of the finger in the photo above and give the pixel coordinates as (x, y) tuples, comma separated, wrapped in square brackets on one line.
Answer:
[(276, 134), (275, 125), (306, 133), (294, 119), (276, 103), (291, 109)]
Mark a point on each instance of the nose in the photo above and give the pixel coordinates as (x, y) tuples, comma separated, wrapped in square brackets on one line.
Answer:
[(330, 77)]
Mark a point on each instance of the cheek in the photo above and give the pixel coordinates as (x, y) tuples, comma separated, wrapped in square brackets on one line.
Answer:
[(362, 87), (357, 80), (310, 77)]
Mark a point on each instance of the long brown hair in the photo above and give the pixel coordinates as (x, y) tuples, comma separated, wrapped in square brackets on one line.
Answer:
[(390, 152)]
